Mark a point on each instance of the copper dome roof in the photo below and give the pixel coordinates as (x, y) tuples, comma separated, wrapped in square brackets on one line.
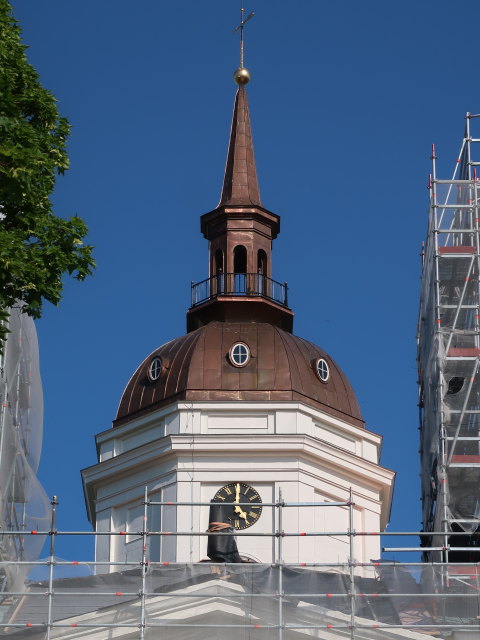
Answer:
[(197, 367)]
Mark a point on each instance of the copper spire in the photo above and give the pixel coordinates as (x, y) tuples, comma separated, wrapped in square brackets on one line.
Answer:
[(240, 184)]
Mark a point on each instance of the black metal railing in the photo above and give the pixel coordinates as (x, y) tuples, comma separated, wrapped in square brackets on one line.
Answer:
[(239, 284)]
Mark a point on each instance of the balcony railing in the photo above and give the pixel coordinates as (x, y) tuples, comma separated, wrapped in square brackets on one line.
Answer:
[(239, 284)]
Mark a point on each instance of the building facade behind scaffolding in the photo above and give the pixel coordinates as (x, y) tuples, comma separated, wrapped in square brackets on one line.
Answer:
[(448, 360)]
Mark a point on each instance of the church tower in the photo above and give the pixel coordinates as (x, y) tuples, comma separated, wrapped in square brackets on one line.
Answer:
[(238, 410), (240, 232)]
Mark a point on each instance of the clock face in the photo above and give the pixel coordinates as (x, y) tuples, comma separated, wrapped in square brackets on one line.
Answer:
[(240, 517)]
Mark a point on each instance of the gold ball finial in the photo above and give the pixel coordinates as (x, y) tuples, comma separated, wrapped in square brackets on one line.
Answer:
[(241, 76)]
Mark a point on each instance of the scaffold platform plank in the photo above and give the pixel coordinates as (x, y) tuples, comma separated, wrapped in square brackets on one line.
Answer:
[(463, 352), (466, 459), (457, 250)]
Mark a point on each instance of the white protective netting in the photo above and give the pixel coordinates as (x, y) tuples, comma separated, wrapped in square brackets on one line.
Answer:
[(23, 502), (243, 601)]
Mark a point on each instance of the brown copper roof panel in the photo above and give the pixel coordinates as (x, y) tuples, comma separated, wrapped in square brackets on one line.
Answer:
[(197, 367)]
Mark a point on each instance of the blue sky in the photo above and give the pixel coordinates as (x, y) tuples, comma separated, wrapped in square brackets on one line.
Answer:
[(345, 99)]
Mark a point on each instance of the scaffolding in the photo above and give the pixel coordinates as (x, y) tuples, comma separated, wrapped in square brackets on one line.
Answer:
[(23, 502), (449, 359), (146, 600)]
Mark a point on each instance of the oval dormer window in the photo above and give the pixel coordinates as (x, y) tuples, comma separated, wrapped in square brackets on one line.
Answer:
[(155, 369), (322, 369), (239, 354)]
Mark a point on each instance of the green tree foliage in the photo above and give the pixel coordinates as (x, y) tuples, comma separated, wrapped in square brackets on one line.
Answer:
[(36, 247)]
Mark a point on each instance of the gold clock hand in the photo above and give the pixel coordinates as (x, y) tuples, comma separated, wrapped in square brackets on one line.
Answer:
[(243, 514), (237, 492)]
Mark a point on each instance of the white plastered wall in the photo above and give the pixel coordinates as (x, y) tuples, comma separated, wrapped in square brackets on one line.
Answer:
[(185, 453)]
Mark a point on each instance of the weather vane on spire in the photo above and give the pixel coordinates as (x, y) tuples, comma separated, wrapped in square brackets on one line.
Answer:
[(242, 75)]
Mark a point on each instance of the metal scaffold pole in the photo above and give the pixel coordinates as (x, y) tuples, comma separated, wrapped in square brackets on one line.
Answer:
[(280, 565), (351, 563), (144, 564), (51, 564)]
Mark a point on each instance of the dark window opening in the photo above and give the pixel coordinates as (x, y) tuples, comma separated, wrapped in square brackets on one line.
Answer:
[(262, 272), (240, 259), (218, 262), (220, 278), (455, 385), (262, 262)]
